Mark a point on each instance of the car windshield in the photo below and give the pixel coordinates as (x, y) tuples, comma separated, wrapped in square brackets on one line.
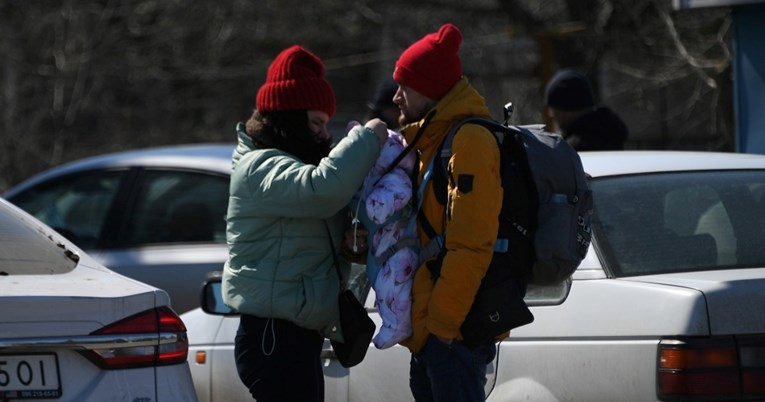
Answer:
[(27, 250), (680, 221)]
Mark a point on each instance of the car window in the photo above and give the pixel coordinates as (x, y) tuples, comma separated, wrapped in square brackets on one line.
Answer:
[(178, 207), (684, 221), (75, 206), (27, 250)]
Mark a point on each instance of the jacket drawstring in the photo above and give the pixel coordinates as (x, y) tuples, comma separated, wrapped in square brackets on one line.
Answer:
[(269, 322)]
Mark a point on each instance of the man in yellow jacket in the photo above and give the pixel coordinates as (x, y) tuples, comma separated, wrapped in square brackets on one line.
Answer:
[(433, 96)]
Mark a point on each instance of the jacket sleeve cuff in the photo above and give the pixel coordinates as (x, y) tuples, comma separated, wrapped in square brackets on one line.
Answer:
[(441, 329)]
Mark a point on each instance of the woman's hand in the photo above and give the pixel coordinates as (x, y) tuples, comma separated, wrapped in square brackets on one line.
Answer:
[(380, 128)]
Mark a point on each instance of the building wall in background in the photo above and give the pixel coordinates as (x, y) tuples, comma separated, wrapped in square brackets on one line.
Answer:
[(749, 77)]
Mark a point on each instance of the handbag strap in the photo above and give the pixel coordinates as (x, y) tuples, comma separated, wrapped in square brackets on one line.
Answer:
[(334, 254)]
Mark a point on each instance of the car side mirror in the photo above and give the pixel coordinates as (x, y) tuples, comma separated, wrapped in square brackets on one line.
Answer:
[(212, 296)]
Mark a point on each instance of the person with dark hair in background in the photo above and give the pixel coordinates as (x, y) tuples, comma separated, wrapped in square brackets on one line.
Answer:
[(382, 107), (288, 192), (433, 95), (571, 104)]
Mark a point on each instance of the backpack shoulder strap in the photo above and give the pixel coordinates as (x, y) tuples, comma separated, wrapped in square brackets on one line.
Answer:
[(445, 152), (409, 147), (438, 170)]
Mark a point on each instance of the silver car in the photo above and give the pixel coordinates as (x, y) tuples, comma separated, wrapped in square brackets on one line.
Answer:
[(71, 330), (156, 215), (668, 304)]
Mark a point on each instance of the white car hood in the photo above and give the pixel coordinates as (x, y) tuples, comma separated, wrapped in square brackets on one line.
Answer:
[(734, 298)]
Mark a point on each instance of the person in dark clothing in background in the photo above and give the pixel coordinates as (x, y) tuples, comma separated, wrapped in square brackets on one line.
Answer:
[(571, 104), (382, 107)]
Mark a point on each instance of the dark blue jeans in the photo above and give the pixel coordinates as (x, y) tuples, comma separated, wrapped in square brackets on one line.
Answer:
[(279, 361), (453, 373)]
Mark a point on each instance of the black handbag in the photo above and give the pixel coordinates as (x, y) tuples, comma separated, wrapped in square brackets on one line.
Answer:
[(357, 328), (496, 309), (355, 324)]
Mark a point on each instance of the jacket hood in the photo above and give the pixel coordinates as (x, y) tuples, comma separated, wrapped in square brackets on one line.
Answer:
[(599, 130), (244, 144)]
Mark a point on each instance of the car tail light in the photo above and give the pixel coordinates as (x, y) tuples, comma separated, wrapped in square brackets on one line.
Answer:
[(154, 337), (752, 351), (711, 369)]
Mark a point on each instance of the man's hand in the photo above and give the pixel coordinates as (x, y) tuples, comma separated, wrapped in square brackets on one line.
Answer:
[(444, 340)]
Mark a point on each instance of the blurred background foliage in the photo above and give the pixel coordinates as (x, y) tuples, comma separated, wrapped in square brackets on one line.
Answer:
[(84, 77)]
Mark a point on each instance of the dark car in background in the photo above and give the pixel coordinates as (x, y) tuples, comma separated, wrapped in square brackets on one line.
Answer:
[(156, 215)]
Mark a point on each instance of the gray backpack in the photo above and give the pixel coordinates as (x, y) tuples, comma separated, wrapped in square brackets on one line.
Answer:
[(544, 230)]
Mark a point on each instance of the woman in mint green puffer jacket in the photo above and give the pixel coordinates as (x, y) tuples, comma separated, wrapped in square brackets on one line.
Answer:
[(280, 262), (280, 274), (287, 191)]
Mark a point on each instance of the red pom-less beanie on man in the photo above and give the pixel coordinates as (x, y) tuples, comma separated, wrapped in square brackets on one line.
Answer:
[(295, 81), (431, 66)]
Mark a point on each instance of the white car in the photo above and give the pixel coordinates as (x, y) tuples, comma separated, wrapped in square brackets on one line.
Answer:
[(72, 330), (668, 304)]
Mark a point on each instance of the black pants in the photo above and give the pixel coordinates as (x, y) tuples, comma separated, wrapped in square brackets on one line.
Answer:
[(279, 361)]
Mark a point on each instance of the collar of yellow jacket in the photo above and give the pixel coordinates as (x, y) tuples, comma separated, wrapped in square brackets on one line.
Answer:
[(461, 101)]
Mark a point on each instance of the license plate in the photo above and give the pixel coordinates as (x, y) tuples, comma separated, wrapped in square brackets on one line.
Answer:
[(32, 376)]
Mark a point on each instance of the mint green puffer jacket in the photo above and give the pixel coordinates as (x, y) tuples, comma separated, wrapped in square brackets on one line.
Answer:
[(280, 262)]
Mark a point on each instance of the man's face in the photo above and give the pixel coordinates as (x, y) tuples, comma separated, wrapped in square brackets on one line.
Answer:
[(413, 105)]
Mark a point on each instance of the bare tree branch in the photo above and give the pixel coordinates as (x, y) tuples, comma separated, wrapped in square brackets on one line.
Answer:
[(698, 64)]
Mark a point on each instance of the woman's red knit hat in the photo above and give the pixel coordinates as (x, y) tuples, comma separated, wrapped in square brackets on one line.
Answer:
[(431, 66), (295, 81)]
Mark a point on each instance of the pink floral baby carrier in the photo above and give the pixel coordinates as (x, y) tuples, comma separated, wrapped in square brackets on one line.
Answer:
[(383, 207)]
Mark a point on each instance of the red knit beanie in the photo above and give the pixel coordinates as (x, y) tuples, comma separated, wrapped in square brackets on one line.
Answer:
[(295, 81), (431, 66)]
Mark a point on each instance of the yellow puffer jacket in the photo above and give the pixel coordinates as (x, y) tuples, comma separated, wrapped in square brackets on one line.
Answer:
[(470, 220)]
